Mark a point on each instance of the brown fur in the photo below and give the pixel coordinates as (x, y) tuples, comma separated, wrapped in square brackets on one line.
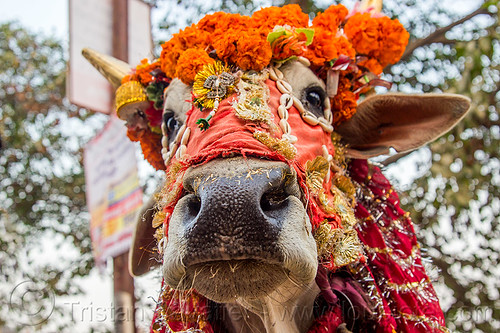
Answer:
[(403, 122)]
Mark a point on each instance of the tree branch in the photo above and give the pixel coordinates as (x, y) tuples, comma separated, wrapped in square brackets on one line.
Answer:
[(395, 158), (302, 3), (438, 35), (459, 290)]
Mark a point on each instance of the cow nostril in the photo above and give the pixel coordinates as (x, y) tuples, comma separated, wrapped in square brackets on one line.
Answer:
[(272, 201), (194, 205)]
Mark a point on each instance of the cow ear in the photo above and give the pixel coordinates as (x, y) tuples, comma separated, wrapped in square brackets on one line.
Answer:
[(143, 255), (403, 122)]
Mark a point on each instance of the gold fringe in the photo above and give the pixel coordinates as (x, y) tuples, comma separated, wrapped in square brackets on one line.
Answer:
[(284, 147), (423, 319), (316, 171), (342, 245)]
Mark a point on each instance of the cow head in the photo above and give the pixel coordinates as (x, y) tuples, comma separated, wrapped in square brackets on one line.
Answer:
[(254, 140)]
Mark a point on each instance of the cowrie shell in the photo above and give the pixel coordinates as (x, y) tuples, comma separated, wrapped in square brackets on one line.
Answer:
[(304, 61), (298, 105), (285, 127), (282, 112), (181, 152), (326, 127), (284, 87), (286, 100), (310, 118), (164, 142), (185, 136), (290, 138)]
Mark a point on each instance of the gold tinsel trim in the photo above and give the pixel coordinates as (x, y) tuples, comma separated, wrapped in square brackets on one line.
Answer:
[(127, 93), (284, 147), (343, 209), (409, 287), (423, 319), (159, 234), (344, 184), (316, 171), (347, 248), (253, 98), (168, 193), (342, 245), (323, 236), (339, 157), (158, 219)]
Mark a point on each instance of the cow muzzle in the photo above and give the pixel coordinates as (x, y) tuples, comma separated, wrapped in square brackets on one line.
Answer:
[(240, 230)]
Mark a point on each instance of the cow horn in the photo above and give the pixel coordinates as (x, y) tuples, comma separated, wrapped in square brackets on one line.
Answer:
[(375, 4), (114, 70)]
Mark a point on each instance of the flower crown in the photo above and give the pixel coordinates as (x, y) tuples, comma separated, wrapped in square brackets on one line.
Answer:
[(347, 49)]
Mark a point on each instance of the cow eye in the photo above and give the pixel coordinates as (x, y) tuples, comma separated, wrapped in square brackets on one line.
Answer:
[(313, 100), (171, 124), (141, 113)]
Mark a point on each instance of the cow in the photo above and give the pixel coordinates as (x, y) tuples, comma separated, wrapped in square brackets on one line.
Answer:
[(271, 217)]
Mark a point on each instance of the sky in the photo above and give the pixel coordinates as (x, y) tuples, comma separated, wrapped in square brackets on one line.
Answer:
[(49, 17)]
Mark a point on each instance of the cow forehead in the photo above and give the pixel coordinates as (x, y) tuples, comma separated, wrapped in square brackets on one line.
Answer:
[(300, 77), (178, 95)]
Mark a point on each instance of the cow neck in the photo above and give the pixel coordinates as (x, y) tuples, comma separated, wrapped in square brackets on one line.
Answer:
[(287, 309)]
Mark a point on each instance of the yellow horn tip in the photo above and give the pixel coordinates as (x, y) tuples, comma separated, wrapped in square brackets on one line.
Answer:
[(128, 93)]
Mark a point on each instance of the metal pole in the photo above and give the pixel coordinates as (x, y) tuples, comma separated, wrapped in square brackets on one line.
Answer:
[(122, 280)]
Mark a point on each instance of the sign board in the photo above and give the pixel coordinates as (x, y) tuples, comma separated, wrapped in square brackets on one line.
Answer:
[(91, 25), (114, 196)]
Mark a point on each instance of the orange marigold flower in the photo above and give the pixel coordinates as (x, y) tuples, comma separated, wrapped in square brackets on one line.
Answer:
[(343, 106), (150, 145), (362, 30), (267, 18), (171, 51), (142, 72), (378, 37), (253, 51), (219, 23), (331, 18), (193, 37), (289, 45), (393, 42), (191, 62), (127, 78), (225, 47), (327, 46), (373, 65)]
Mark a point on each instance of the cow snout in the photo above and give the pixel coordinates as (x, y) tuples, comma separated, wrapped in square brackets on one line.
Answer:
[(235, 209), (240, 227)]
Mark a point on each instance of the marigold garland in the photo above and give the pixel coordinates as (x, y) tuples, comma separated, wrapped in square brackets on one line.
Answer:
[(142, 72), (326, 46), (267, 18), (331, 18), (241, 41), (378, 37), (370, 41), (150, 145), (190, 63)]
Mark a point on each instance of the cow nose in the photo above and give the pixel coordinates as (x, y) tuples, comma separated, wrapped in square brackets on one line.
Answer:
[(235, 207)]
